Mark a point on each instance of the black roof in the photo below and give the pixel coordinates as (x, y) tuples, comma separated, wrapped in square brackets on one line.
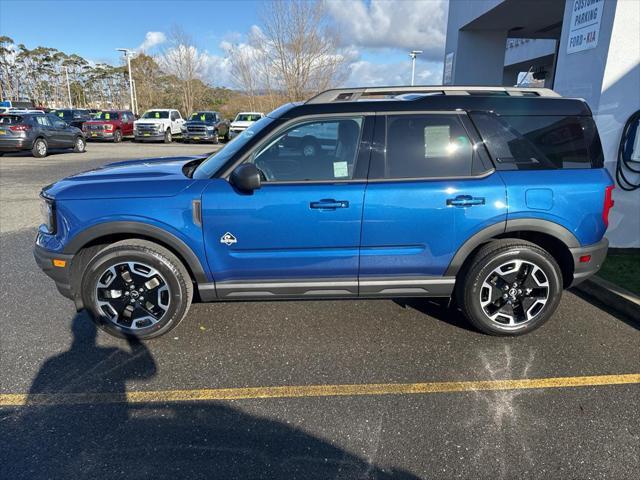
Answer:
[(501, 105)]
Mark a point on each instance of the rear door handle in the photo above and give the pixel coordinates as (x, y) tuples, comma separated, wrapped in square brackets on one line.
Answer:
[(329, 204), (465, 201)]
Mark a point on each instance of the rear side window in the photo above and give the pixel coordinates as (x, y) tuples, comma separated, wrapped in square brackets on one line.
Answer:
[(540, 142), (10, 119), (427, 146)]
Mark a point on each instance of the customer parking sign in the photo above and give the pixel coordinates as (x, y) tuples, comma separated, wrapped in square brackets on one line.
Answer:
[(584, 28)]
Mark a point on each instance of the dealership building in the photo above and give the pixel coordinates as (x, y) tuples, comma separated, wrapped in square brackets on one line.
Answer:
[(588, 49)]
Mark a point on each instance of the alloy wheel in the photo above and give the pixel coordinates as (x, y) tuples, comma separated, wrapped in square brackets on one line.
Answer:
[(514, 293), (42, 148), (132, 295)]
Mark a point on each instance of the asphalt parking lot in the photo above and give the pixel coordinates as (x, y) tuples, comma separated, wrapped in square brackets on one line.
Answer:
[(374, 389)]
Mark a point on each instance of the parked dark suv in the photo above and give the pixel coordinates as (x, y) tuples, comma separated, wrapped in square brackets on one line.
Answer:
[(39, 133), (74, 116), (496, 197)]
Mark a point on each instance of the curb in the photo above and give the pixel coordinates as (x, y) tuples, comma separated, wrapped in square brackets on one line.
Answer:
[(615, 297)]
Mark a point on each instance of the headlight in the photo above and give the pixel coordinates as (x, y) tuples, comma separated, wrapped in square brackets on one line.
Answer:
[(48, 213), (210, 128), (183, 128)]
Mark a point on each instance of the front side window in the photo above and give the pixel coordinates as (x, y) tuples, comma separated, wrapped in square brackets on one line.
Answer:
[(427, 146), (314, 150)]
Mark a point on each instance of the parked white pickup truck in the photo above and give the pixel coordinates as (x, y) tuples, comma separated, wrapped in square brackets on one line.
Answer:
[(243, 121), (158, 124)]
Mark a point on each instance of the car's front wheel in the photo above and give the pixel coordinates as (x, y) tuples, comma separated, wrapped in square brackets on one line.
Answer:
[(167, 136), (510, 288), (117, 136), (136, 288)]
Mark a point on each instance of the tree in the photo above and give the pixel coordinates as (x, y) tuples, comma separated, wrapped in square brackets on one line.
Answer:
[(181, 59), (298, 49)]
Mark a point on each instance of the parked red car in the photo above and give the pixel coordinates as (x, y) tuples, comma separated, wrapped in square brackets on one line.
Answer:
[(110, 125)]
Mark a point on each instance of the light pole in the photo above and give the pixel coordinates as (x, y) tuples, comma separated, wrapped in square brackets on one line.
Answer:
[(127, 53), (66, 70), (135, 98), (413, 54)]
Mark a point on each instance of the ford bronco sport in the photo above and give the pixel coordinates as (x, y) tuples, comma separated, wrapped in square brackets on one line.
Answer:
[(496, 197)]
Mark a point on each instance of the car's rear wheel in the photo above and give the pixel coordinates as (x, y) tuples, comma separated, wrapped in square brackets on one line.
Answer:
[(40, 148), (117, 136), (167, 136), (79, 145), (511, 287), (136, 288)]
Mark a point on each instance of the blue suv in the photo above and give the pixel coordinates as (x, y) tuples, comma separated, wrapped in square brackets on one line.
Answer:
[(495, 197)]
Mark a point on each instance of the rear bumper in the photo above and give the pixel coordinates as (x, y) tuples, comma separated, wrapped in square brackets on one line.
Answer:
[(60, 275), (15, 144), (584, 270)]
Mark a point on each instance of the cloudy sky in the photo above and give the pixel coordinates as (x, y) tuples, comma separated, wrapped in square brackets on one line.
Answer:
[(376, 35)]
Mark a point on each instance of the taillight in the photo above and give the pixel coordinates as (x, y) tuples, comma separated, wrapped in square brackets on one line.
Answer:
[(19, 128), (608, 204)]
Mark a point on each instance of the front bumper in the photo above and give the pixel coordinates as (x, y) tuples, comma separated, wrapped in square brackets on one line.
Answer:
[(104, 135), (235, 132), (584, 270), (199, 136), (149, 137), (60, 275)]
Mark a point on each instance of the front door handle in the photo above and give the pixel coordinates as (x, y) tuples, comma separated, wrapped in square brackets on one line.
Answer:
[(465, 201), (329, 204)]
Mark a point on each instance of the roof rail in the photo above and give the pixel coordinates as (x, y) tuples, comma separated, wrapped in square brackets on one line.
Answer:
[(375, 93)]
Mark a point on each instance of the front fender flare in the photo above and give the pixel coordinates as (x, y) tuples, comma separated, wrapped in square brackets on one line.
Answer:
[(139, 229)]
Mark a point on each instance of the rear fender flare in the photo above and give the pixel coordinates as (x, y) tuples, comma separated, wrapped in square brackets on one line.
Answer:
[(521, 224)]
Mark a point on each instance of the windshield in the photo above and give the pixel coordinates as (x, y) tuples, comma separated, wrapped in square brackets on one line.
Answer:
[(64, 114), (212, 164), (106, 116), (155, 114), (203, 117), (247, 117)]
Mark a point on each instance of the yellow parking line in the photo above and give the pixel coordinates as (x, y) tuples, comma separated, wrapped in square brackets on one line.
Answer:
[(166, 396)]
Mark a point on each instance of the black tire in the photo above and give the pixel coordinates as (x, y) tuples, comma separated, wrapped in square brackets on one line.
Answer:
[(517, 276), (117, 136), (40, 148), (143, 260), (79, 144), (167, 136)]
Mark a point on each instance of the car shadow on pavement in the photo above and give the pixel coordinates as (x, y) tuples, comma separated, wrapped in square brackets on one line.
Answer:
[(437, 308), (635, 323), (52, 438)]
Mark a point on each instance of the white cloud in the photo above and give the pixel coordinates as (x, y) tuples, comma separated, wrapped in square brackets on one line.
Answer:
[(408, 25), (152, 39), (365, 74)]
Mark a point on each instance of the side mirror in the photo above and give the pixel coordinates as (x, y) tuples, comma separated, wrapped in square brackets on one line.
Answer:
[(246, 177)]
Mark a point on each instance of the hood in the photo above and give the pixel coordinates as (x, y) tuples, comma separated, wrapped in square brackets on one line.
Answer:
[(152, 177), (243, 124), (198, 122), (150, 120)]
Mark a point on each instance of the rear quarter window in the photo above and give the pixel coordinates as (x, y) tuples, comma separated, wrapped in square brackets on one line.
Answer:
[(540, 142)]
